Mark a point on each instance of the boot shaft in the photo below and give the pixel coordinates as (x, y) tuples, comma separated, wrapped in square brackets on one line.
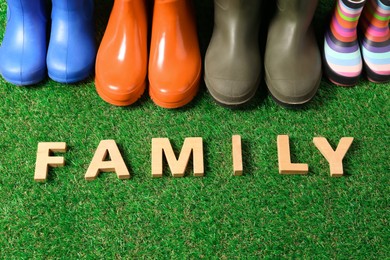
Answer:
[(246, 10), (300, 11), (73, 5), (375, 19), (73, 11), (345, 19), (237, 18), (237, 7), (28, 7), (173, 8)]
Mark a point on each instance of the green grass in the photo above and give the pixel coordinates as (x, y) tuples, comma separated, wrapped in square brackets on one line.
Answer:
[(261, 214)]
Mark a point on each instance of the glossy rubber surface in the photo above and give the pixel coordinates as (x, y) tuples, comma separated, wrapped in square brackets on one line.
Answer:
[(174, 62), (233, 62), (24, 47), (375, 40), (121, 63), (72, 48), (292, 57), (342, 56)]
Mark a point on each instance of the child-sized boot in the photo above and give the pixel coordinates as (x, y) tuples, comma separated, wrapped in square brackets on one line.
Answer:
[(233, 62), (375, 40), (24, 47), (72, 48), (292, 57), (342, 57), (121, 63), (174, 62)]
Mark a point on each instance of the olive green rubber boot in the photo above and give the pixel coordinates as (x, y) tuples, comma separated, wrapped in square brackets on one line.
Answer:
[(233, 63), (292, 56)]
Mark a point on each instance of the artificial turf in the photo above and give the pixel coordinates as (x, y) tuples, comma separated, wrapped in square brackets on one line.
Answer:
[(261, 214)]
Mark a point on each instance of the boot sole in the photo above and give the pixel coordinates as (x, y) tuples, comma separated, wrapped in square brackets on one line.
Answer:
[(42, 74), (374, 77), (296, 104), (188, 97), (172, 105), (338, 79), (85, 73), (132, 97), (228, 104)]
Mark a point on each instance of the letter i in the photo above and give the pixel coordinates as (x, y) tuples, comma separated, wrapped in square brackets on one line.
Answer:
[(237, 155)]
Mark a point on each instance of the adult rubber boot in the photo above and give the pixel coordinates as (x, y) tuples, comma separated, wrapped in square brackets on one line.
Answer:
[(24, 47), (233, 63), (342, 57), (174, 62), (375, 40), (72, 48), (292, 57), (121, 63)]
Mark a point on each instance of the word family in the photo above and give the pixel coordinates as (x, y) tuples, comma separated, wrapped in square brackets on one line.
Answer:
[(108, 158)]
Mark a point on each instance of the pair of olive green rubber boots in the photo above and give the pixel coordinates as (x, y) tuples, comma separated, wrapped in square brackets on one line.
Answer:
[(292, 64)]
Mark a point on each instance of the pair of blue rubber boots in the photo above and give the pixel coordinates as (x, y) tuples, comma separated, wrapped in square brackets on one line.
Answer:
[(28, 53)]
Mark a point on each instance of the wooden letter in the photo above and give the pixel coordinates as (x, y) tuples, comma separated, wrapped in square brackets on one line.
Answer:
[(98, 163), (335, 158), (285, 165), (162, 146), (44, 160), (237, 155)]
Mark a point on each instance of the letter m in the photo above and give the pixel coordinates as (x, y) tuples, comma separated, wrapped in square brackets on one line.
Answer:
[(161, 146)]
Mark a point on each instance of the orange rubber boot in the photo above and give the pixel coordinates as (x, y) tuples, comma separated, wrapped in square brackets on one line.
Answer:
[(175, 62), (121, 63)]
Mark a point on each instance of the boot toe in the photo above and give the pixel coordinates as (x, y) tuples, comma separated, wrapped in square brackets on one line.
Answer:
[(16, 73), (231, 92), (293, 91), (174, 94), (119, 90), (65, 73)]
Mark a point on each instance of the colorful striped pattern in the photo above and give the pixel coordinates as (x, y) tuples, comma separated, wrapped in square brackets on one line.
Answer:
[(375, 40), (342, 57)]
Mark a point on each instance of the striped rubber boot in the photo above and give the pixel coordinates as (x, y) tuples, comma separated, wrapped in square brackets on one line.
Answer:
[(342, 57), (375, 40)]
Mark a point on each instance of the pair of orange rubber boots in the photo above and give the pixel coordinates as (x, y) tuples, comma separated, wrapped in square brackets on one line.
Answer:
[(173, 66)]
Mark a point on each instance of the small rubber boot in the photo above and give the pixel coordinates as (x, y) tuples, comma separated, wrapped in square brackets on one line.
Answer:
[(121, 63), (292, 57), (24, 47), (342, 57), (174, 62), (375, 40), (233, 62), (72, 48)]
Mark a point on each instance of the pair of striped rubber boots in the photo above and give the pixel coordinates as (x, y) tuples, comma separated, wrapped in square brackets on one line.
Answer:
[(358, 37)]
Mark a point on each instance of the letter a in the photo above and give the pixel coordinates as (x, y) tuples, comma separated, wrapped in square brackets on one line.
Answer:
[(98, 163), (44, 160), (162, 146), (335, 158), (284, 158)]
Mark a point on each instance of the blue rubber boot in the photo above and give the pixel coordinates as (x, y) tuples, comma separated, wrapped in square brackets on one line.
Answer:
[(24, 47), (72, 48)]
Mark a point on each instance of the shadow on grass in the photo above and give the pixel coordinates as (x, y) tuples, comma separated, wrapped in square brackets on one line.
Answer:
[(248, 159), (351, 156), (127, 161), (295, 159)]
